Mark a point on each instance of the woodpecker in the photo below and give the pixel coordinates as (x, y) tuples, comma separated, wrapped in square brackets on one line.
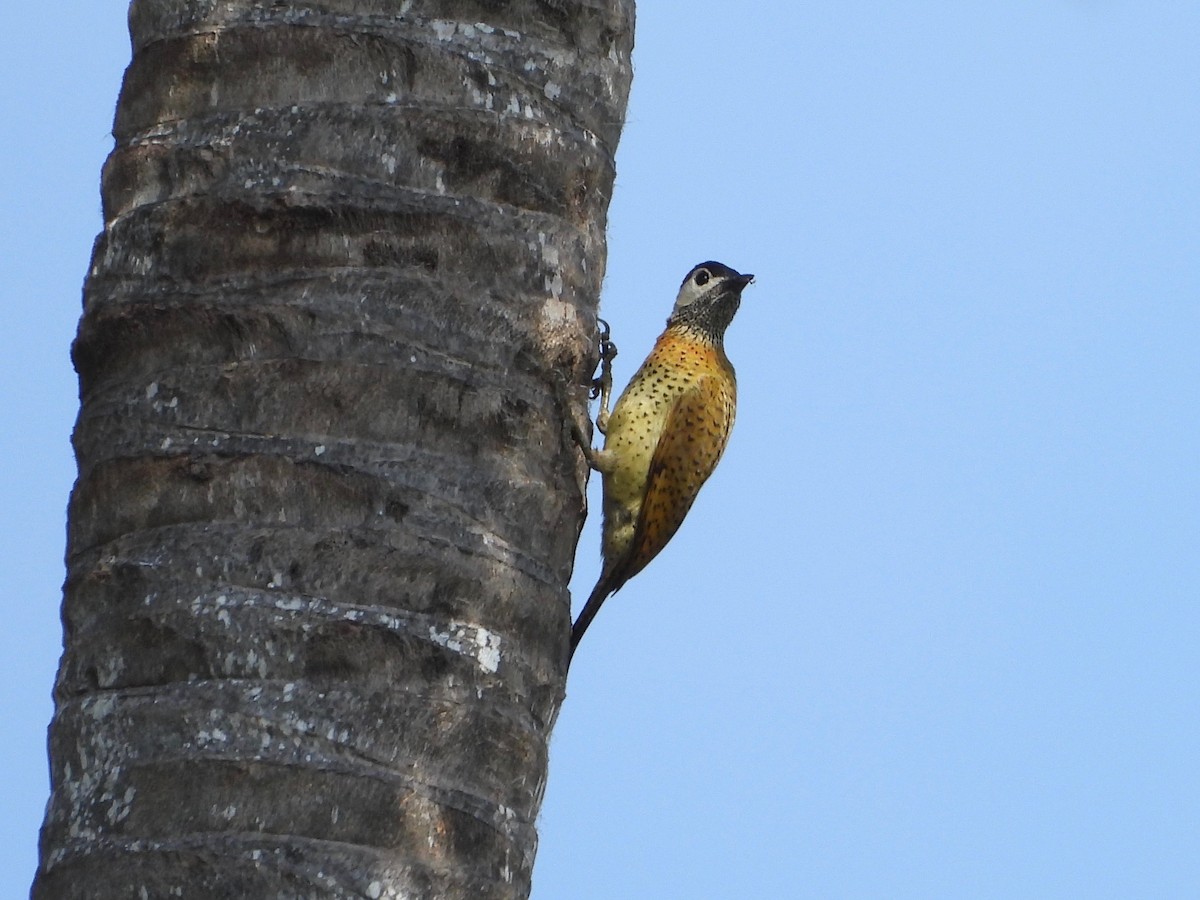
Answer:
[(666, 433)]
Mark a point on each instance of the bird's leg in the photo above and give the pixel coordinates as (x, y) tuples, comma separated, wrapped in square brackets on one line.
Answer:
[(602, 385), (597, 459), (571, 421)]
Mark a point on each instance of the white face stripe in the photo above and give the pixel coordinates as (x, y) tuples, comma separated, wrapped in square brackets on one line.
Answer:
[(690, 291)]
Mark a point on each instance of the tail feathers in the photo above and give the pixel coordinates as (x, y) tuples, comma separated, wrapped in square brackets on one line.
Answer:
[(603, 589)]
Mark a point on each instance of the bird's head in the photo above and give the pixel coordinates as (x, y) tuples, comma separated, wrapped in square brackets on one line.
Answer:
[(708, 298)]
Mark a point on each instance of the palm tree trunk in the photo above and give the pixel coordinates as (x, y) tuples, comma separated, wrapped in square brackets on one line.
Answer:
[(316, 611)]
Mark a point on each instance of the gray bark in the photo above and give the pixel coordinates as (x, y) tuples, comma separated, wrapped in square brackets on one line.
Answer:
[(316, 612)]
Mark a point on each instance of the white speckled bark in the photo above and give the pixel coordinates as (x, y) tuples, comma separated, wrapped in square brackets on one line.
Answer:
[(316, 609)]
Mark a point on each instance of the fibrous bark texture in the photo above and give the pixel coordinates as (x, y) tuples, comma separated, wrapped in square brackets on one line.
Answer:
[(316, 610)]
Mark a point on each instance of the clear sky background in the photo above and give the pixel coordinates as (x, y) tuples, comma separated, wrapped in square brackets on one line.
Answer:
[(933, 628)]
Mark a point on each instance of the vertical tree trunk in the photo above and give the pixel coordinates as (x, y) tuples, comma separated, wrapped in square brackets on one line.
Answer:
[(316, 609)]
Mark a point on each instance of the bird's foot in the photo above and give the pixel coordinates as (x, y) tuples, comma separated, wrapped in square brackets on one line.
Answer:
[(573, 430), (602, 384), (608, 352)]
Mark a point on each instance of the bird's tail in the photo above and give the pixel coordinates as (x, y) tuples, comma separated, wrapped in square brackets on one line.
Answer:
[(599, 594)]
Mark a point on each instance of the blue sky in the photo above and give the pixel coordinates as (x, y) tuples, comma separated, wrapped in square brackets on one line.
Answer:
[(933, 628)]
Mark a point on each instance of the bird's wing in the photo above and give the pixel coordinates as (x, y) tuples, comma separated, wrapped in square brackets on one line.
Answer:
[(696, 432)]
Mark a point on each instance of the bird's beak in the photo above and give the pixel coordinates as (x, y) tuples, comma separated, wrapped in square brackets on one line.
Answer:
[(743, 280)]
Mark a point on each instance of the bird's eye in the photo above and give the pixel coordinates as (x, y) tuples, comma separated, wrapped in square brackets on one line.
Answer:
[(702, 277)]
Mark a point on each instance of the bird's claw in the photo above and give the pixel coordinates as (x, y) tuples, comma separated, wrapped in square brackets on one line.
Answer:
[(602, 384)]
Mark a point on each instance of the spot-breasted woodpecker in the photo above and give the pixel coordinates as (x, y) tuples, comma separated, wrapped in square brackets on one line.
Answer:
[(667, 431)]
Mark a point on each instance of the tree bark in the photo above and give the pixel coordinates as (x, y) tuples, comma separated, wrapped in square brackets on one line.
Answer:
[(316, 610)]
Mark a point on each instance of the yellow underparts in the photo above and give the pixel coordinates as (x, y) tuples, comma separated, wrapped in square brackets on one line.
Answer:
[(686, 385)]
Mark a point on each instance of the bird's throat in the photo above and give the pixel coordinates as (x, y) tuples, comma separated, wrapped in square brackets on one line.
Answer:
[(707, 320)]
